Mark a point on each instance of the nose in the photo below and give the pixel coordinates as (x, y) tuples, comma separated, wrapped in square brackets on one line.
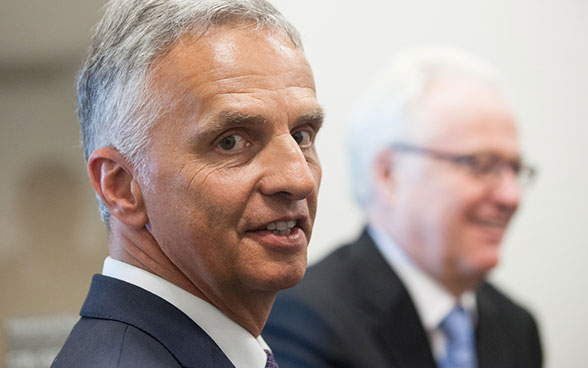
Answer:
[(286, 170), (507, 189)]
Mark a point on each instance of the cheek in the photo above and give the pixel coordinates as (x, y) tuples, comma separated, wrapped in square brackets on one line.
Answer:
[(183, 206), (441, 211), (224, 197), (462, 232), (316, 169), (313, 198), (468, 202), (457, 196), (214, 186)]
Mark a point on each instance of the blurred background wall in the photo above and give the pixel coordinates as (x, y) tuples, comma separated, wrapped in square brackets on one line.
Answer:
[(51, 241), (51, 238)]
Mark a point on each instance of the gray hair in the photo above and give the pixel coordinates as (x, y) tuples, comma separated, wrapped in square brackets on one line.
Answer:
[(381, 115), (116, 105)]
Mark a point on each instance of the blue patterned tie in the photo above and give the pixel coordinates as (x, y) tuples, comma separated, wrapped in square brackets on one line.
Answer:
[(461, 347), (271, 362)]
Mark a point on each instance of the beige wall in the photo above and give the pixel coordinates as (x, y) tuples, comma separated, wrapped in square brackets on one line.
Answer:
[(51, 238)]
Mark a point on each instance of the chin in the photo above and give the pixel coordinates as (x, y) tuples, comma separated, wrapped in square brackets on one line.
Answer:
[(482, 251), (283, 277), (484, 264)]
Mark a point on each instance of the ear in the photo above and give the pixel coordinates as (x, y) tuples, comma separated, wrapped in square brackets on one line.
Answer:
[(114, 181), (383, 175)]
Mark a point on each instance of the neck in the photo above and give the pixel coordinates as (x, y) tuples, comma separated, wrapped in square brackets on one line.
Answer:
[(250, 311), (139, 248), (458, 285)]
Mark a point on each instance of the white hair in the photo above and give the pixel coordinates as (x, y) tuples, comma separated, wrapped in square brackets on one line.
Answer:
[(116, 105), (382, 113)]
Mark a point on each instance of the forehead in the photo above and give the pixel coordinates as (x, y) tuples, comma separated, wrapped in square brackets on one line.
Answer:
[(230, 60), (467, 114)]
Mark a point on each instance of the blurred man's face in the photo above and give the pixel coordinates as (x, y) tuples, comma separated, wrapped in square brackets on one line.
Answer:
[(233, 171), (452, 221)]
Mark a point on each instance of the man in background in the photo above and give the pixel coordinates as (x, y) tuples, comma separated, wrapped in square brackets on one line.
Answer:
[(198, 121), (438, 172)]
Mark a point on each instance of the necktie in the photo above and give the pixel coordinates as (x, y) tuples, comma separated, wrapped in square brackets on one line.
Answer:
[(271, 362), (461, 347)]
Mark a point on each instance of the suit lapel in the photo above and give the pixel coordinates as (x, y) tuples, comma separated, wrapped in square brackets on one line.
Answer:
[(490, 340), (397, 325), (114, 299)]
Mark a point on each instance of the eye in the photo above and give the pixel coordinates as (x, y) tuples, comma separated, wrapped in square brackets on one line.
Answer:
[(303, 138), (480, 164), (473, 162), (232, 142), (516, 166)]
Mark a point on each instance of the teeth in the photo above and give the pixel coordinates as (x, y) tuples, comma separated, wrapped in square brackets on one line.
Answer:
[(281, 227)]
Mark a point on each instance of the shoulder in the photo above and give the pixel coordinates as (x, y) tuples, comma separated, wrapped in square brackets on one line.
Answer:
[(325, 285), (316, 300), (325, 320), (508, 327), (124, 326), (109, 343), (494, 302), (341, 274)]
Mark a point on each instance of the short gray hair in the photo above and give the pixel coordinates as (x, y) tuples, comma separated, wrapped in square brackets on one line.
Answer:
[(116, 105), (382, 113)]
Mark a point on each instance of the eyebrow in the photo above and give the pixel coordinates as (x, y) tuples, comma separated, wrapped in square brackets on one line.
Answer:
[(223, 121), (314, 117), (228, 119)]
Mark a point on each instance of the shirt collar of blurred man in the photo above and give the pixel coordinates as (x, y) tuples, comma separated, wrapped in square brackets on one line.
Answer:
[(432, 301)]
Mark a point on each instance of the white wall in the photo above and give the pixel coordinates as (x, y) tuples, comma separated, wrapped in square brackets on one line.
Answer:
[(542, 49)]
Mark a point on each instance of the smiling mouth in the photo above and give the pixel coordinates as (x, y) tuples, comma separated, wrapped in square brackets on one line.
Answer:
[(491, 223), (286, 234), (281, 227)]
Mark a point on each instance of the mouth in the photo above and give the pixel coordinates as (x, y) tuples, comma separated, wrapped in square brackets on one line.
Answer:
[(284, 233), (281, 227), (500, 223), (492, 227), (495, 218)]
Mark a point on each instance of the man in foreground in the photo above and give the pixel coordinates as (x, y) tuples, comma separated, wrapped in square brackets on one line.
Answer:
[(198, 120), (438, 172)]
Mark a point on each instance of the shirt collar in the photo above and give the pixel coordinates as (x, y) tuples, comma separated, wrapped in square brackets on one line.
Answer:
[(432, 301), (242, 348)]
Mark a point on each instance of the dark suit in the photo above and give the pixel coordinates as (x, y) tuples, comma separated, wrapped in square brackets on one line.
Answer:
[(123, 325), (351, 310)]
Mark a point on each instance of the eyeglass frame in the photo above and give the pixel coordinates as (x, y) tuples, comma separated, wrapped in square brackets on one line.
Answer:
[(474, 162)]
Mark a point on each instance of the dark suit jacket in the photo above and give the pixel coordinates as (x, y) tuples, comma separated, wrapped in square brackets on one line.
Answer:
[(123, 325), (351, 310)]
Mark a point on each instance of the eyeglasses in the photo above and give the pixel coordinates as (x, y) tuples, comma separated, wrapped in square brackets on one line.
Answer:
[(483, 164)]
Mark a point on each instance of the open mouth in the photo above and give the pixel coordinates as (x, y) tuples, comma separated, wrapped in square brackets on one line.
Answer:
[(287, 233), (281, 227)]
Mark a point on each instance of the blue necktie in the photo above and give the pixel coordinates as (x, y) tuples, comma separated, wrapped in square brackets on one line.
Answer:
[(271, 362), (461, 346)]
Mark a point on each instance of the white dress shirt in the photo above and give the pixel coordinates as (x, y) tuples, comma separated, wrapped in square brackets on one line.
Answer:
[(432, 301), (242, 348)]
